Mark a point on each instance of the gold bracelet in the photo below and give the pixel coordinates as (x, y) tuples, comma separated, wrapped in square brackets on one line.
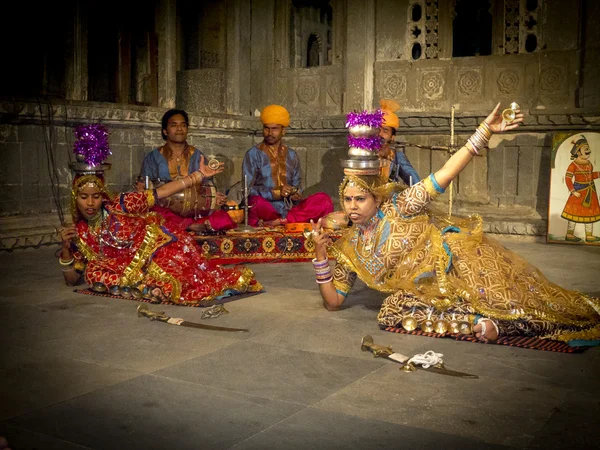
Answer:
[(183, 182), (66, 263)]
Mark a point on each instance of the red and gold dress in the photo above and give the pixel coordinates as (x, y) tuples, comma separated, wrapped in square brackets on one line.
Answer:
[(130, 247), (585, 208)]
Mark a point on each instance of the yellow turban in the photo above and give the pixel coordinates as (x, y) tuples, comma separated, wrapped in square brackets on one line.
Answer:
[(275, 114), (389, 118)]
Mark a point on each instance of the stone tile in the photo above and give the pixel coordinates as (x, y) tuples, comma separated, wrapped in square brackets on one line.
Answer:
[(573, 424), (499, 411), (273, 372), (132, 343), (20, 438), (314, 428), (30, 380), (157, 413)]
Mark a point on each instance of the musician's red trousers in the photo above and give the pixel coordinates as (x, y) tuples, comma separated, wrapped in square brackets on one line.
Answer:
[(312, 207), (218, 220)]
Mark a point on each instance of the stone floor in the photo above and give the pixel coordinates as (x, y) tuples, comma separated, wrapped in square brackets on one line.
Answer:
[(81, 372)]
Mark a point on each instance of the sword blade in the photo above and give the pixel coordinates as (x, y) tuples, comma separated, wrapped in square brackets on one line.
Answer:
[(211, 327), (444, 371)]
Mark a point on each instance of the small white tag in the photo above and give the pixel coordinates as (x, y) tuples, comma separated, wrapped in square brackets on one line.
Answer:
[(398, 357), (175, 321)]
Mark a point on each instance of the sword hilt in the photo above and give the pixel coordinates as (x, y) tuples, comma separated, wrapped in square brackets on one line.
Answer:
[(143, 311), (378, 351)]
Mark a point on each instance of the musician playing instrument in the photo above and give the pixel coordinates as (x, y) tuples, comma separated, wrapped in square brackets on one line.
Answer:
[(173, 161)]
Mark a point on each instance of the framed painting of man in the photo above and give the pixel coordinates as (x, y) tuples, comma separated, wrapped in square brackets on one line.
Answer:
[(574, 207)]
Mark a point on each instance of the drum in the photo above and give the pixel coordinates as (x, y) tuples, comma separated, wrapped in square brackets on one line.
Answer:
[(195, 201)]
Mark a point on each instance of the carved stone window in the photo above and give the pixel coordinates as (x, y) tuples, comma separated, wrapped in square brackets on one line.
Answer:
[(472, 28), (311, 33), (422, 30), (522, 33)]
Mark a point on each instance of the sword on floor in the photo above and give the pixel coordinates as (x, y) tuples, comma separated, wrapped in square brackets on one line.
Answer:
[(143, 311), (412, 364)]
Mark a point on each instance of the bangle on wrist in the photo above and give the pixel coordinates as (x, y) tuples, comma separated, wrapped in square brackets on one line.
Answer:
[(66, 263)]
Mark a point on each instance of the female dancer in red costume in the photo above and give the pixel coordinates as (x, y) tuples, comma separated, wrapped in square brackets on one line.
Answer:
[(117, 244)]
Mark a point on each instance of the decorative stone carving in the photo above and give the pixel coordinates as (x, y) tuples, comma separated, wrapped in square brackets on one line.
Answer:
[(508, 81), (470, 83), (281, 90), (307, 90), (552, 79), (394, 85), (431, 29), (432, 84), (511, 26), (334, 90)]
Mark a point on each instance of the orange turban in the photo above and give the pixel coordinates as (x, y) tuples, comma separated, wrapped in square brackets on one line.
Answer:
[(389, 118), (275, 114)]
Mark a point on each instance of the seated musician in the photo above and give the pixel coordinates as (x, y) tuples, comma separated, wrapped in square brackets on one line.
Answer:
[(274, 178), (400, 168), (175, 160)]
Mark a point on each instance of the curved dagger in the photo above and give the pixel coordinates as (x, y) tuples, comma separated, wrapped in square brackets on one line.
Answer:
[(143, 311), (380, 351)]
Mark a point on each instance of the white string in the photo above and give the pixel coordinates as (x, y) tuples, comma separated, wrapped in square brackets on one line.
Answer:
[(427, 359)]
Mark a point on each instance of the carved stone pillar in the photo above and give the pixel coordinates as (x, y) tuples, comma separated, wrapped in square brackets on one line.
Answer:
[(262, 63), (166, 30), (237, 97), (76, 65), (360, 54)]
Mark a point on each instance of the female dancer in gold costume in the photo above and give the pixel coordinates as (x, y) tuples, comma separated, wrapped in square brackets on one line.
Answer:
[(441, 270)]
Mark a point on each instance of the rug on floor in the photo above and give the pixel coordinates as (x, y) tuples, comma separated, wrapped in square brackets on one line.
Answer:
[(264, 246), (512, 341)]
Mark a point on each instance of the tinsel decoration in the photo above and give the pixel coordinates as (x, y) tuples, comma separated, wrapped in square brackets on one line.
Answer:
[(369, 118), (372, 143), (91, 144), (359, 121)]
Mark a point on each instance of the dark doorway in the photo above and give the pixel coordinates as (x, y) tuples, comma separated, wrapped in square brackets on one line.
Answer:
[(472, 28)]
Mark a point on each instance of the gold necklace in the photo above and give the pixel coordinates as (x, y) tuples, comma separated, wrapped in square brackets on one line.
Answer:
[(367, 238)]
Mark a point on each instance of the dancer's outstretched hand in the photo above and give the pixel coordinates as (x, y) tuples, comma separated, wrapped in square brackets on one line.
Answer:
[(498, 125)]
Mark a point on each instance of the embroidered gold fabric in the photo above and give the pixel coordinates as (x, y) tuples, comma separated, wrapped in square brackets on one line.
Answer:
[(436, 266), (154, 238)]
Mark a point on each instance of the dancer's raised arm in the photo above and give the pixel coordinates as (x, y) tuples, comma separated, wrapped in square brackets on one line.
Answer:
[(494, 123)]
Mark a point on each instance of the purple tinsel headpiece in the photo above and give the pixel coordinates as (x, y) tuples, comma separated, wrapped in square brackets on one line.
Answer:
[(372, 143), (91, 143), (372, 119)]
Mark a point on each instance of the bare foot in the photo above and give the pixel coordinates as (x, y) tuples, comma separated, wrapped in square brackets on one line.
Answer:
[(198, 228), (489, 330), (273, 223)]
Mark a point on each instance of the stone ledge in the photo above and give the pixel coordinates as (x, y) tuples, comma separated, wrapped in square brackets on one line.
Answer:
[(72, 112)]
